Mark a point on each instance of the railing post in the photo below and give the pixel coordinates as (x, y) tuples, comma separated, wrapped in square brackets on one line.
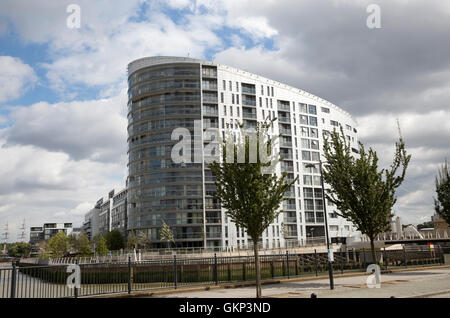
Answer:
[(287, 264), (75, 289), (315, 261), (13, 279), (129, 274), (175, 271), (243, 271), (216, 276), (404, 256), (272, 269)]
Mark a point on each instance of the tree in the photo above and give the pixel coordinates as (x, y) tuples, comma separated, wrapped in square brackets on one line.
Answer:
[(143, 240), (166, 234), (363, 194), (132, 240), (83, 245), (248, 189), (18, 249), (114, 240), (58, 245), (100, 245), (442, 202)]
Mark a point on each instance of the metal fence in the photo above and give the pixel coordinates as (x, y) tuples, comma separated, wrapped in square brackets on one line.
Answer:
[(50, 281)]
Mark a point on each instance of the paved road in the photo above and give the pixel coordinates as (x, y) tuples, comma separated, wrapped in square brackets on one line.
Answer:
[(421, 283)]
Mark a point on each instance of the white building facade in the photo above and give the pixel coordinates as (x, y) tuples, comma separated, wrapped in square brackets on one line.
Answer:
[(221, 97)]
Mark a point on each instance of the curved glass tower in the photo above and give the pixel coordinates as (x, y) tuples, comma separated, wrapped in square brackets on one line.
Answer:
[(174, 92)]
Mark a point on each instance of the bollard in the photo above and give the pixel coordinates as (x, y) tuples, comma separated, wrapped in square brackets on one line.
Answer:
[(313, 295)]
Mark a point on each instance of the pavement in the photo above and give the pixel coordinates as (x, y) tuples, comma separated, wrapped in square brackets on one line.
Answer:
[(424, 283)]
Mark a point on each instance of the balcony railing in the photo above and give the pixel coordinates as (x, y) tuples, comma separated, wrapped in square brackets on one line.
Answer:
[(285, 131), (290, 219), (248, 115), (284, 107), (248, 90), (284, 119), (288, 206)]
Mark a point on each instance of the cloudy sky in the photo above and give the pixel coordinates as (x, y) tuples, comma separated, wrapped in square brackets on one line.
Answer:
[(63, 90)]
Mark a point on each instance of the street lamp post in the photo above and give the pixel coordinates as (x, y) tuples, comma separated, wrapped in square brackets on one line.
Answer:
[(330, 265)]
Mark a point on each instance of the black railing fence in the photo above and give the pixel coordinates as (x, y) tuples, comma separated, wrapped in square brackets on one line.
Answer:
[(50, 281)]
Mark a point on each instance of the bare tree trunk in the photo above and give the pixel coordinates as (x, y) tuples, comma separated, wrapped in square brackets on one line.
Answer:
[(258, 269), (372, 247)]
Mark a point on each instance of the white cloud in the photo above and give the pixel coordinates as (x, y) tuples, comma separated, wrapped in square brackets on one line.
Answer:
[(16, 78), (93, 129)]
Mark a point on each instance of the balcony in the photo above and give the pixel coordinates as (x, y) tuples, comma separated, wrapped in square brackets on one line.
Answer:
[(286, 144), (284, 107), (248, 90), (288, 206), (284, 119), (248, 101), (285, 131), (248, 115)]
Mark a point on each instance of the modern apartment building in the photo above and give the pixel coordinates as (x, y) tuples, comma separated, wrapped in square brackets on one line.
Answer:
[(109, 213), (171, 92), (48, 230)]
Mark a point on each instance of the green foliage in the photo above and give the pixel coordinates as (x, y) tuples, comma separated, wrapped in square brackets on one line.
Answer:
[(18, 249), (166, 234), (442, 202), (132, 240), (115, 240), (58, 245), (83, 245), (101, 247), (363, 194), (251, 195), (251, 198), (79, 244)]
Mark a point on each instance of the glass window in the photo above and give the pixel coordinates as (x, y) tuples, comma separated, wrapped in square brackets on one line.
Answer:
[(306, 155), (307, 180), (237, 86), (237, 99), (232, 98), (231, 86), (305, 143), (221, 97), (308, 192), (312, 109), (315, 156), (305, 131), (303, 108), (224, 110), (313, 121), (272, 90), (303, 120), (317, 181), (224, 85), (315, 144), (314, 133), (325, 110)]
